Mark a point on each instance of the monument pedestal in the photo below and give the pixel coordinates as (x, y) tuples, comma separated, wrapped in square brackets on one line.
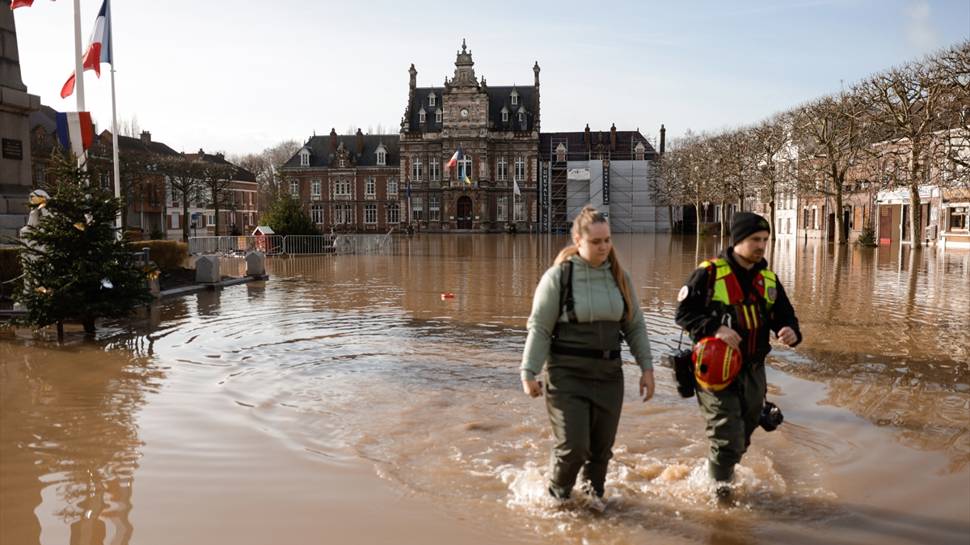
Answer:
[(15, 107)]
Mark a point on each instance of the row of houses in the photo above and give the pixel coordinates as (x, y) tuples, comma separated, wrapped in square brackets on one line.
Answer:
[(154, 209), (868, 204)]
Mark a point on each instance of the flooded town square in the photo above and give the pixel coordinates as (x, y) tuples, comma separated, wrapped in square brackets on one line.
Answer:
[(345, 400)]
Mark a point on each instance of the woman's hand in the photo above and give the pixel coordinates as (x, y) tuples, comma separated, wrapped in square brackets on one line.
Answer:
[(646, 385), (532, 388)]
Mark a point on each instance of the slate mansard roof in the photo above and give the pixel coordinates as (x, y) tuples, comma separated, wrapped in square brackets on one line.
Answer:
[(626, 143), (323, 154), (498, 97)]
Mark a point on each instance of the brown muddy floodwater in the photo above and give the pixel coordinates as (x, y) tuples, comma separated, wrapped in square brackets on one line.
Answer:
[(343, 401)]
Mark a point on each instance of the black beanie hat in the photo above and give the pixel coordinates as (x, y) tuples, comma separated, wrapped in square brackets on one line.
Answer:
[(745, 224)]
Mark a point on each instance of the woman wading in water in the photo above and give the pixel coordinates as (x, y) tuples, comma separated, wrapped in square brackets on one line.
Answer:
[(583, 307)]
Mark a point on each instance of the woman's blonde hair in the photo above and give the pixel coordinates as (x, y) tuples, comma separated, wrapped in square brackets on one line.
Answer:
[(588, 216)]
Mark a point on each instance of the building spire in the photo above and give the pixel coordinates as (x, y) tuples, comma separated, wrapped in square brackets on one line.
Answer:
[(464, 67)]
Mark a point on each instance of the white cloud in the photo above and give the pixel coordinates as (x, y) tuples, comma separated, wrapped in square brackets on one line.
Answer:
[(919, 29)]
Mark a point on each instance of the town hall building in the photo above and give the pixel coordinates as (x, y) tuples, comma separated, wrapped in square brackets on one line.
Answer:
[(497, 130)]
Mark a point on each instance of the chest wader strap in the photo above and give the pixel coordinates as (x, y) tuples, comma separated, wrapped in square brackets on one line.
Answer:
[(566, 300), (585, 352)]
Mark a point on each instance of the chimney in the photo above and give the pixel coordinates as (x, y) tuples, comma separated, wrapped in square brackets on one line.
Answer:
[(535, 101), (663, 138), (333, 140), (360, 141), (586, 138), (613, 137), (146, 137)]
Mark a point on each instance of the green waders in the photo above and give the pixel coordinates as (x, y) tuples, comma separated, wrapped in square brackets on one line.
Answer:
[(732, 416), (584, 396)]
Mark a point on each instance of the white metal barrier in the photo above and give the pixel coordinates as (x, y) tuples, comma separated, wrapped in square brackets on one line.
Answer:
[(292, 244), (308, 244)]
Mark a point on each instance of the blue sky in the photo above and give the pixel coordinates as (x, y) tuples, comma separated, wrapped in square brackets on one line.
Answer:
[(238, 76)]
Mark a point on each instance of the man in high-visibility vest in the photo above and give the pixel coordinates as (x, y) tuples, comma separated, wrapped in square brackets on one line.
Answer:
[(735, 298)]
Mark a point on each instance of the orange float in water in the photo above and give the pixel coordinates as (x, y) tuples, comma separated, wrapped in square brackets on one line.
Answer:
[(447, 295)]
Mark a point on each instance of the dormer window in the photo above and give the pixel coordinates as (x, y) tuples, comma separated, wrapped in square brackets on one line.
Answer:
[(381, 156), (515, 97), (431, 99), (304, 157), (522, 116), (437, 116), (505, 114), (422, 116), (561, 153), (638, 152)]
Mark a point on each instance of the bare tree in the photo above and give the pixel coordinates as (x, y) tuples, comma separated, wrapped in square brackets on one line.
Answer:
[(907, 103), (685, 171), (831, 132), (770, 140), (952, 67), (266, 165), (718, 172), (217, 177), (184, 180), (129, 127)]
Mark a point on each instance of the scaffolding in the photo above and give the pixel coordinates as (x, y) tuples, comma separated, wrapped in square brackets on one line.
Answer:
[(610, 177)]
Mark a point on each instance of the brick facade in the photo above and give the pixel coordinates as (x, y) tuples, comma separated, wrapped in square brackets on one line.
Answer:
[(497, 129)]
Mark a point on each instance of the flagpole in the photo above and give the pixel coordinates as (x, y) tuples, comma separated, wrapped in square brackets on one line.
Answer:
[(79, 73), (114, 116), (513, 202), (78, 62)]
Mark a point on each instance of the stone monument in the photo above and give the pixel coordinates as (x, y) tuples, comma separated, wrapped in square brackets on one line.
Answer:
[(15, 107)]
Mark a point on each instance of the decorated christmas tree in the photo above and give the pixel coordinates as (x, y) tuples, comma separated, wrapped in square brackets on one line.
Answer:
[(75, 266)]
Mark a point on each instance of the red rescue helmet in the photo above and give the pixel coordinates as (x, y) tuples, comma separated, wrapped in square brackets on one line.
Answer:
[(715, 363)]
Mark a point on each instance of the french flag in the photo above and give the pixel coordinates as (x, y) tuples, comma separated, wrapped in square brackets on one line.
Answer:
[(21, 4), (99, 48), (459, 155), (75, 131)]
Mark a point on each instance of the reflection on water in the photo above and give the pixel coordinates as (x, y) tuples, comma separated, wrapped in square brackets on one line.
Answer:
[(68, 441), (360, 357), (887, 329)]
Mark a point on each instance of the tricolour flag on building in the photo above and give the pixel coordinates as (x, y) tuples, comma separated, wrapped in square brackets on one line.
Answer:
[(99, 48), (515, 188), (75, 131), (458, 156)]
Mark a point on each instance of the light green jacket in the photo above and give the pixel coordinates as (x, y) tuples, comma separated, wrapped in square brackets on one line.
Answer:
[(597, 298)]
